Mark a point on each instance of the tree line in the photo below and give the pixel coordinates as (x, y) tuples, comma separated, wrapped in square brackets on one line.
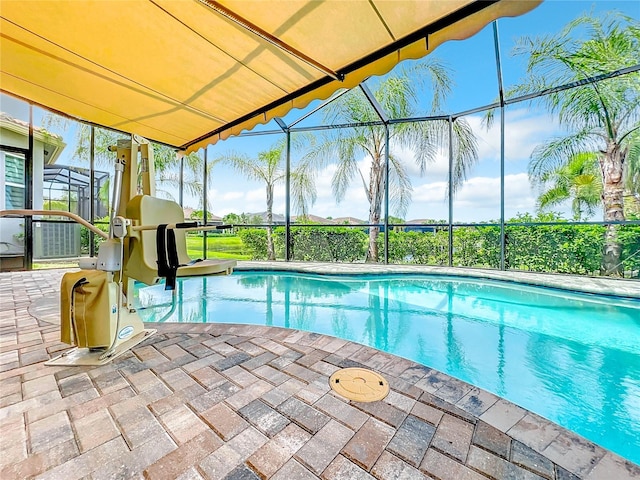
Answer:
[(559, 248)]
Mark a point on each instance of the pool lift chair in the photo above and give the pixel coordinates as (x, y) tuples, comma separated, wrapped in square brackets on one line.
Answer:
[(146, 242)]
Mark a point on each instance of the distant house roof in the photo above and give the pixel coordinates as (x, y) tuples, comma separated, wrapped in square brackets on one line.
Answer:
[(348, 221), (277, 217), (421, 221), (212, 218), (311, 219), (53, 143)]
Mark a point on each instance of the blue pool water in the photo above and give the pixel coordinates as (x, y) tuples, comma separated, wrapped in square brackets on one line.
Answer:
[(572, 358)]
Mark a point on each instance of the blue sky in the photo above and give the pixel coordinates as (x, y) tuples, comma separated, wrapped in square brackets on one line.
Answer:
[(472, 62)]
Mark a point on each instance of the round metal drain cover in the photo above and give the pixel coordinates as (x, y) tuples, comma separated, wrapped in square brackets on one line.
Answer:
[(359, 384)]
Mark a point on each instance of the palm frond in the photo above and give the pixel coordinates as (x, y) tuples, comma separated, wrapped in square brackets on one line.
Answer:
[(400, 188), (632, 162), (465, 151), (578, 180), (303, 190), (194, 163), (557, 152), (553, 197), (346, 171), (251, 168), (425, 139), (611, 41), (171, 180)]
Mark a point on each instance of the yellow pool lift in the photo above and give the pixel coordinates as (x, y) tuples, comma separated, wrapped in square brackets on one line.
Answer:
[(146, 242)]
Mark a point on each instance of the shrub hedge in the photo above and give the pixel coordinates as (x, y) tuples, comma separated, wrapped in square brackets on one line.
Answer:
[(559, 248)]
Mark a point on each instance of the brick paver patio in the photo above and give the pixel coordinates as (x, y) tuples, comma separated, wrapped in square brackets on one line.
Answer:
[(244, 402)]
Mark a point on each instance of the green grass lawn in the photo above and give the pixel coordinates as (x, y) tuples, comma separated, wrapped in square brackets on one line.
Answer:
[(60, 264), (218, 246)]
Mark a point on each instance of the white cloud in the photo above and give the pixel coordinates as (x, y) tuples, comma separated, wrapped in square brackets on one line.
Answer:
[(523, 132), (477, 200), (354, 202), (255, 195), (230, 195), (430, 192), (323, 181), (238, 200), (437, 169)]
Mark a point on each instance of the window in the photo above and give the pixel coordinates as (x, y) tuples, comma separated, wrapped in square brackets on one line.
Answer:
[(14, 189)]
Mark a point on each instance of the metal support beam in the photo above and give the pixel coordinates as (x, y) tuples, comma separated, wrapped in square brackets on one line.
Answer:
[(577, 83), (450, 191), (287, 186), (205, 211), (287, 213), (92, 194), (374, 103), (496, 43), (386, 193), (181, 185), (319, 107), (28, 201), (281, 124)]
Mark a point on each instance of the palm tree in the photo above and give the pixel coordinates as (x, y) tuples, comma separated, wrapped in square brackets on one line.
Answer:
[(270, 167), (601, 116), (581, 182), (398, 96), (578, 181)]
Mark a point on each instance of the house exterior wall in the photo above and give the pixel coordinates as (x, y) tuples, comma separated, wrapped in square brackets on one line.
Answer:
[(12, 229)]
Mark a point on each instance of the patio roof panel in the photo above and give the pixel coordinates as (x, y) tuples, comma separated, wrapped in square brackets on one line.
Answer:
[(189, 72)]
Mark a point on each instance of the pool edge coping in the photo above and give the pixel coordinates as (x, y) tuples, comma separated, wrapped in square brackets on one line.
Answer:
[(617, 287)]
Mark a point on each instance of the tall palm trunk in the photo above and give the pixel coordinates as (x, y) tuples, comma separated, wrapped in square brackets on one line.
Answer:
[(271, 253), (376, 190), (611, 165)]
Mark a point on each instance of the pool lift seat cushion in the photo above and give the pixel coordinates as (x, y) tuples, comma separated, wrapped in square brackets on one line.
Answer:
[(142, 263)]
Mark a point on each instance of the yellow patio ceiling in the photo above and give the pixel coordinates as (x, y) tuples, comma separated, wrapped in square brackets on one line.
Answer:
[(190, 72)]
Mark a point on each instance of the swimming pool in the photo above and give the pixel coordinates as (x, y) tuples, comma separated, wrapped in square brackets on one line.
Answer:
[(572, 358)]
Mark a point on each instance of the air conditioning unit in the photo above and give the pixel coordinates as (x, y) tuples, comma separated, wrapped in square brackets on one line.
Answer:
[(56, 240)]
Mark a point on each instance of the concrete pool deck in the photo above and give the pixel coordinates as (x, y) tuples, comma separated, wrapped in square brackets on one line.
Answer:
[(242, 402)]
